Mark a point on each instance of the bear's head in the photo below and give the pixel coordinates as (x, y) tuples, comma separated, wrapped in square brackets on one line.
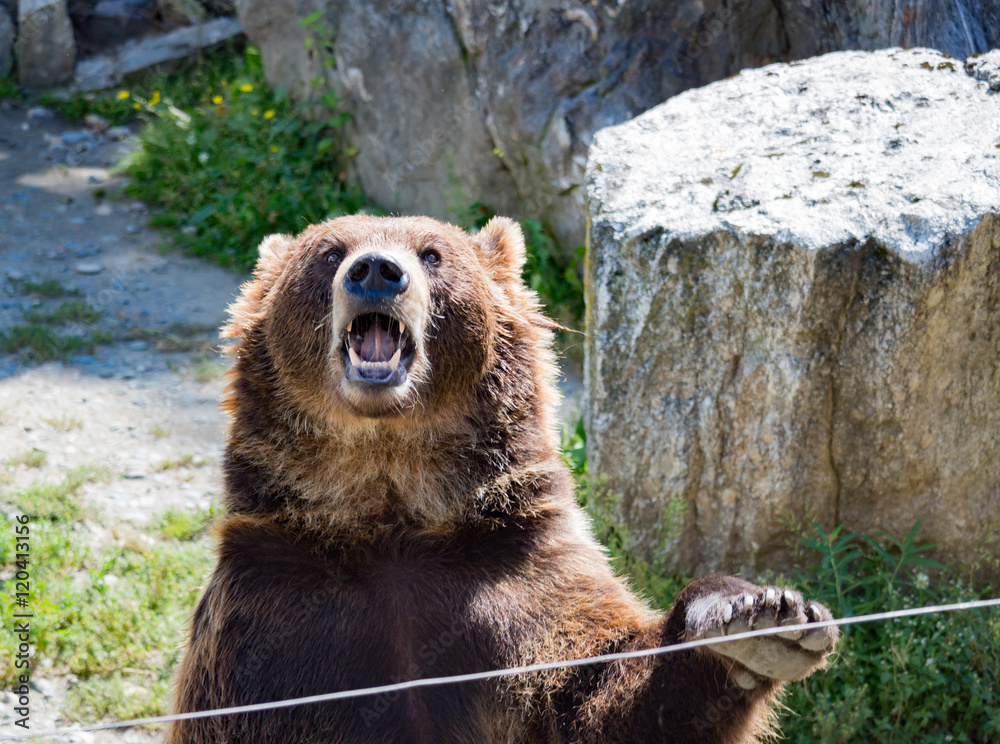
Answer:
[(388, 360), (386, 317)]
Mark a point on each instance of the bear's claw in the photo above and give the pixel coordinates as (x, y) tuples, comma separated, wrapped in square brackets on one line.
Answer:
[(783, 656)]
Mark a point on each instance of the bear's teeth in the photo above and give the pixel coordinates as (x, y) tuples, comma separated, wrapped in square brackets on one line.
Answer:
[(394, 362), (355, 359), (350, 324), (402, 330)]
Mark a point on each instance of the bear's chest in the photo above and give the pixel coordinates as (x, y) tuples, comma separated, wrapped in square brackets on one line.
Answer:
[(385, 615)]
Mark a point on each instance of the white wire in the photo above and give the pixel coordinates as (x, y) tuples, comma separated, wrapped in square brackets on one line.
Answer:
[(479, 676)]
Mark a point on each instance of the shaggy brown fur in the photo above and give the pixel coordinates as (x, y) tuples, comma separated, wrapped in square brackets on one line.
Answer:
[(380, 532)]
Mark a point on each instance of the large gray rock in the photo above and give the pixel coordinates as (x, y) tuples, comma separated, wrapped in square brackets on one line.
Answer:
[(7, 36), (496, 102), (46, 49), (794, 308)]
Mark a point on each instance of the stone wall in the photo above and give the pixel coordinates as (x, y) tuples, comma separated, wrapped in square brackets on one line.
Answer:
[(86, 45), (458, 102), (794, 308)]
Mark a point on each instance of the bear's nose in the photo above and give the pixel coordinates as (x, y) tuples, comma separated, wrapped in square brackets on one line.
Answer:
[(376, 277)]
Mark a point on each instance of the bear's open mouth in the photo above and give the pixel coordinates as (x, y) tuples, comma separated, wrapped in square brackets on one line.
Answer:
[(377, 349)]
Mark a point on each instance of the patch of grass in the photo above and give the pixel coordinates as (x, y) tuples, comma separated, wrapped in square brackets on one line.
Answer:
[(604, 509), (33, 458), (49, 289), (40, 343), (10, 89), (64, 423), (113, 616), (67, 312), (648, 580), (38, 340), (181, 524), (173, 463), (228, 161), (106, 104), (56, 502), (177, 337), (158, 432), (206, 369), (120, 696), (120, 611)]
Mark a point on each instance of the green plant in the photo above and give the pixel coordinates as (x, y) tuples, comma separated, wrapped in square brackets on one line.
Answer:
[(551, 275), (64, 423), (115, 617), (46, 288), (932, 678), (182, 524), (177, 337), (228, 161), (109, 105), (37, 338), (33, 458), (604, 507), (40, 343), (574, 448), (206, 368), (9, 89), (55, 502), (174, 463), (67, 312)]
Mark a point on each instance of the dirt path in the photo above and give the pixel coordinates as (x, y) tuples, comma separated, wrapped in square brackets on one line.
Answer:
[(150, 395)]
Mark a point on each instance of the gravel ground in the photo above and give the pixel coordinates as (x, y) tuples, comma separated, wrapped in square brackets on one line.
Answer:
[(149, 396)]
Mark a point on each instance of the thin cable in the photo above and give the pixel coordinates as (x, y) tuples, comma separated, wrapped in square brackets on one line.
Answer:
[(494, 674)]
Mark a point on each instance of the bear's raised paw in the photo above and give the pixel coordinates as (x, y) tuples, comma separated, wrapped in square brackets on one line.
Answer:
[(782, 656)]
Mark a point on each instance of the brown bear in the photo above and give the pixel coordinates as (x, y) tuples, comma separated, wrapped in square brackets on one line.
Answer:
[(398, 509)]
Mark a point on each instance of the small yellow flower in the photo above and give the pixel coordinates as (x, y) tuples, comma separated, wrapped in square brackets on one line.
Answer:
[(122, 95), (254, 112), (269, 113), (246, 87), (155, 98), (137, 105), (274, 148), (216, 100)]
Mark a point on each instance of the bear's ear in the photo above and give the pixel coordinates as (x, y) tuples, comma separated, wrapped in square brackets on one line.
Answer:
[(272, 256), (502, 245)]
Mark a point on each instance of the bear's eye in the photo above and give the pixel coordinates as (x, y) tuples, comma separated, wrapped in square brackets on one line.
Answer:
[(334, 257), (430, 256)]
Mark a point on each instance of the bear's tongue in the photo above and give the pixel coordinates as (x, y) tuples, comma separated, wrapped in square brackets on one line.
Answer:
[(378, 344)]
